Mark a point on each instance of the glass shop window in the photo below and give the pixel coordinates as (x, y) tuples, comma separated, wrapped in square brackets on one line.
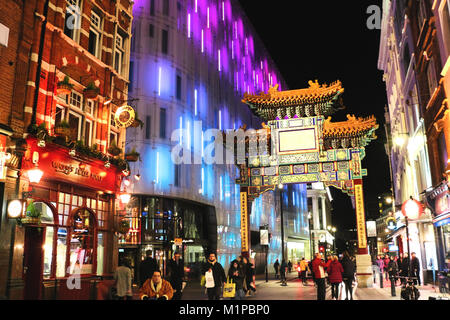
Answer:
[(100, 253), (82, 243), (61, 250)]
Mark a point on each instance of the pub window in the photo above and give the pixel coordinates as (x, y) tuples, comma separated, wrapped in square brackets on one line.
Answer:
[(72, 22), (95, 33), (75, 125), (112, 137), (76, 100), (88, 133), (89, 107), (59, 115), (119, 53), (82, 243)]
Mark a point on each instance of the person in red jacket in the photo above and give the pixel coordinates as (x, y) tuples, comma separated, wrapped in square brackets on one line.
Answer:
[(319, 276), (335, 271)]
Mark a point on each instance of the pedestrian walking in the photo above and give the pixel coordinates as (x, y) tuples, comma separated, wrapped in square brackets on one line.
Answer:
[(147, 267), (218, 274), (399, 265), (175, 268), (290, 266), (303, 268), (276, 266), (236, 274), (122, 275), (312, 271), (386, 262), (156, 288), (393, 270), (335, 271), (283, 272), (380, 264), (319, 276), (327, 264), (249, 277), (348, 276), (415, 268), (405, 267)]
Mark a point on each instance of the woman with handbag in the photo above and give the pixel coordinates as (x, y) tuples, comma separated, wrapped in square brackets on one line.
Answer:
[(236, 274)]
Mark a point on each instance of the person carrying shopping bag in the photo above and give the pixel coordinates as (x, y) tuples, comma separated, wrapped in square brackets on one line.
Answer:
[(214, 277), (236, 275)]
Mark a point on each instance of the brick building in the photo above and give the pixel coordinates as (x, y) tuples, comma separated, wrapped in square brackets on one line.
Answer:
[(70, 69)]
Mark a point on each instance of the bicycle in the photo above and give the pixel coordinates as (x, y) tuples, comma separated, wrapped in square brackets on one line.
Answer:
[(409, 290)]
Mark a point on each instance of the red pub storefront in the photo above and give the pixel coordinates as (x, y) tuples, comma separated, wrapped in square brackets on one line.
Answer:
[(71, 252)]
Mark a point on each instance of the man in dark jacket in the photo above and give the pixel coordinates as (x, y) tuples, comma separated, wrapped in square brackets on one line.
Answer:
[(405, 267), (218, 275), (276, 266), (148, 266), (415, 268), (348, 275), (176, 274)]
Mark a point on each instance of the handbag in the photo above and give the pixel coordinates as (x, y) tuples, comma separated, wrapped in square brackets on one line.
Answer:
[(209, 280), (229, 289), (203, 281)]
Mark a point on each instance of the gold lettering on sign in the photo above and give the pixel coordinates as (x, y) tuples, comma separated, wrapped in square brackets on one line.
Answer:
[(360, 218), (244, 226)]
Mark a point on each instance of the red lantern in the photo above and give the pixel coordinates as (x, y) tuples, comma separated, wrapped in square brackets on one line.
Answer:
[(412, 209)]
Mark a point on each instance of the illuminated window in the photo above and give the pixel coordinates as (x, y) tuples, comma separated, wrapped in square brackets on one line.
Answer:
[(82, 243)]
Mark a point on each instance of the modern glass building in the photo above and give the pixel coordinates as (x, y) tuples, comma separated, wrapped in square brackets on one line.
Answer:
[(191, 63)]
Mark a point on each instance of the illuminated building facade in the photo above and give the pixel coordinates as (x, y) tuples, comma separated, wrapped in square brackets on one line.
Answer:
[(412, 58), (191, 63)]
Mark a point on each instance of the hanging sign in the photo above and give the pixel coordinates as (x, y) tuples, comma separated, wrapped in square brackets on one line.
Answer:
[(3, 157), (360, 219), (124, 116), (244, 225)]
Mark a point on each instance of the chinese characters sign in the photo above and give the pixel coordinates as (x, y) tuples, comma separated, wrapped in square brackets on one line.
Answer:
[(360, 219), (244, 222)]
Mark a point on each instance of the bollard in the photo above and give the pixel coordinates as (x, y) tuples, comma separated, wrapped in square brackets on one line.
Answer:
[(393, 287), (381, 279)]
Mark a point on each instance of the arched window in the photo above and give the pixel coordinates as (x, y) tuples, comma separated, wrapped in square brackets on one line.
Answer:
[(47, 218), (82, 252)]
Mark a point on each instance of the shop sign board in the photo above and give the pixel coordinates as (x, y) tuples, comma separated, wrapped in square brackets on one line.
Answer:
[(360, 218), (56, 163), (244, 223), (371, 228)]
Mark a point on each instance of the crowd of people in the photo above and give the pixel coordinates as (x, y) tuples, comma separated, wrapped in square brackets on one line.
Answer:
[(396, 269), (241, 273)]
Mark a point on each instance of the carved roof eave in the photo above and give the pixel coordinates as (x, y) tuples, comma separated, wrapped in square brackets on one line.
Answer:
[(314, 94), (352, 127)]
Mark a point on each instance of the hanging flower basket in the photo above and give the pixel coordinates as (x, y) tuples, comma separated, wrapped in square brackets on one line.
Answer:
[(132, 156), (114, 150), (31, 220), (64, 87), (124, 227), (33, 216), (62, 129), (91, 91)]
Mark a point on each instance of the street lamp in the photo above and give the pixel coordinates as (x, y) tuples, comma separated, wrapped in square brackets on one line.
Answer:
[(411, 209)]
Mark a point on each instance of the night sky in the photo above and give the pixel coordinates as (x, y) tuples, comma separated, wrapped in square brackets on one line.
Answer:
[(329, 41)]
